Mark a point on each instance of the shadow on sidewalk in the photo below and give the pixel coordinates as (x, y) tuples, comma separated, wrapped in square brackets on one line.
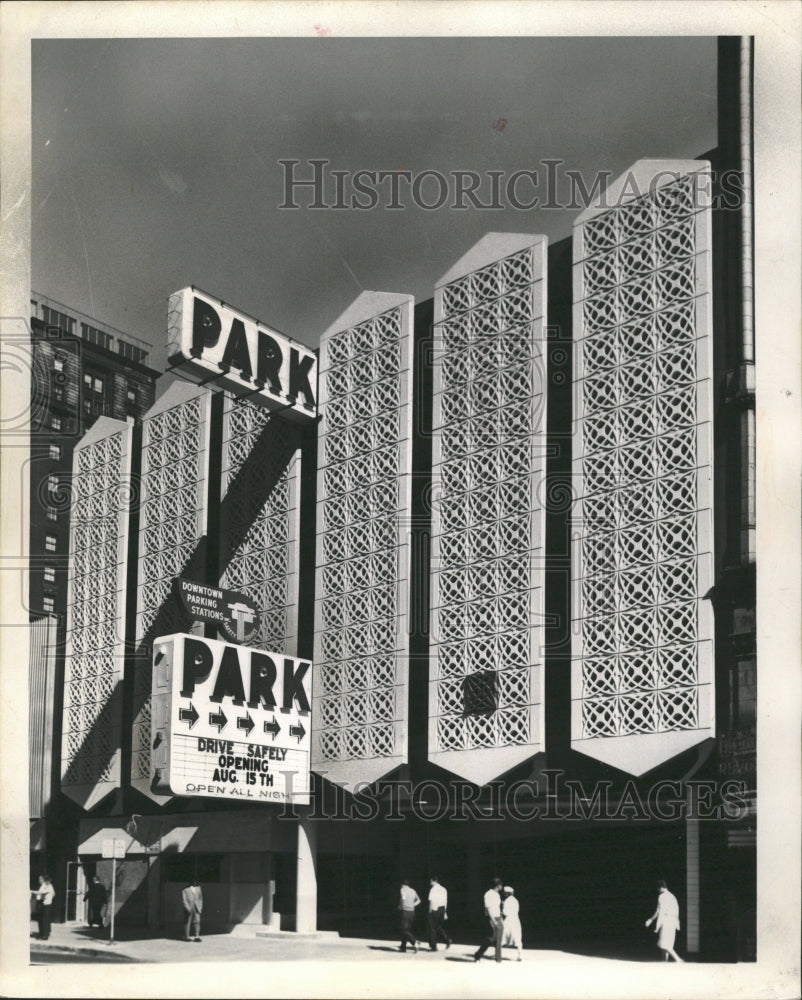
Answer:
[(83, 934)]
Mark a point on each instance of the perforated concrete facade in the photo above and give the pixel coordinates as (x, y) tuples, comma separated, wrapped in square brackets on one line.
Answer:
[(486, 669), (643, 630)]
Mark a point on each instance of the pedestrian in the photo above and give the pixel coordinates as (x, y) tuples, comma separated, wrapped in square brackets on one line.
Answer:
[(492, 903), (666, 921), (97, 896), (407, 901), (512, 921), (192, 898), (438, 913), (44, 895)]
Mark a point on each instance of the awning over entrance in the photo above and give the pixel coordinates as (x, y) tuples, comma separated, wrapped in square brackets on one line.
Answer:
[(193, 832)]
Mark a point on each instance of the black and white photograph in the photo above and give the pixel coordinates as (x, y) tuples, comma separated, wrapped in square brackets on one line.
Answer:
[(400, 430)]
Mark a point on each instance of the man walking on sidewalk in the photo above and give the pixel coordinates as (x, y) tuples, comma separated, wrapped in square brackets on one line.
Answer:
[(44, 904), (492, 903), (97, 897), (438, 914), (408, 900)]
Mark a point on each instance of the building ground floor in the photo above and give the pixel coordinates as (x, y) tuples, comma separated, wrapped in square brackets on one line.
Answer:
[(586, 886)]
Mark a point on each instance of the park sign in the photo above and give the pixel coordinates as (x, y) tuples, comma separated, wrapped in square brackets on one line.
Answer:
[(232, 613), (211, 343), (229, 721)]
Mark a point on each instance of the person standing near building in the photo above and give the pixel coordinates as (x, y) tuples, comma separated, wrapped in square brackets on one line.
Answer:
[(192, 898), (408, 900), (438, 914), (512, 921), (492, 903), (666, 921), (44, 895), (97, 896)]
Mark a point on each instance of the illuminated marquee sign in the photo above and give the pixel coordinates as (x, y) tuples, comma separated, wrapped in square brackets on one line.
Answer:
[(233, 613), (230, 722), (210, 342)]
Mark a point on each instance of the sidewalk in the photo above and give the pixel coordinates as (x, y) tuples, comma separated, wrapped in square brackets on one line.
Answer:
[(134, 945), (323, 967), (140, 945)]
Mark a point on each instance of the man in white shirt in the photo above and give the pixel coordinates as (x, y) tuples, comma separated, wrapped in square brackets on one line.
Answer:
[(438, 914), (44, 901), (492, 903), (408, 900)]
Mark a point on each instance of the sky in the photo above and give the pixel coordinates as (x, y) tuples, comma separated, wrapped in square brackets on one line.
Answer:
[(155, 162)]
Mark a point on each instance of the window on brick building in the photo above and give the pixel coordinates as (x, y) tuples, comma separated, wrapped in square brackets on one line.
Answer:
[(95, 336), (132, 353), (48, 604), (50, 574), (50, 543), (55, 451), (62, 321), (55, 423), (52, 514), (94, 392)]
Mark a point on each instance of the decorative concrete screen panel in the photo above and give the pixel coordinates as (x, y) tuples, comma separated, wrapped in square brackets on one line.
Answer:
[(642, 673), (41, 690), (259, 526), (359, 707), (96, 612), (488, 519), (172, 529)]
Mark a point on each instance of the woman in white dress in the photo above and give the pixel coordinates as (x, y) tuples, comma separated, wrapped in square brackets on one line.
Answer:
[(512, 921), (666, 921)]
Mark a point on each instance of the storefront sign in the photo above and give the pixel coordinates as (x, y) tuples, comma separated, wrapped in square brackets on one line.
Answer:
[(738, 755), (233, 613), (212, 343), (230, 722)]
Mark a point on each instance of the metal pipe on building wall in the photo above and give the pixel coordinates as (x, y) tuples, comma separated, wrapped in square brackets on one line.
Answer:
[(747, 218), (747, 374)]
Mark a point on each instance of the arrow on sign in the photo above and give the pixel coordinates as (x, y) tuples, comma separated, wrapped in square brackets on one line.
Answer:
[(189, 715), (245, 722), (218, 719), (298, 731), (272, 727)]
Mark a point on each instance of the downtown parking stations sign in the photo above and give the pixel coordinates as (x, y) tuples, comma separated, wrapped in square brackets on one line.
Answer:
[(229, 721)]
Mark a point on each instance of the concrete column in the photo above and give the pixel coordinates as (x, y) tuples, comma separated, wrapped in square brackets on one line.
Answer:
[(692, 885), (270, 890), (306, 890)]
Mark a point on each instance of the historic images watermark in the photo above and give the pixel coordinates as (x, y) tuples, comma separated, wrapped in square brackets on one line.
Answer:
[(314, 184), (554, 798)]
